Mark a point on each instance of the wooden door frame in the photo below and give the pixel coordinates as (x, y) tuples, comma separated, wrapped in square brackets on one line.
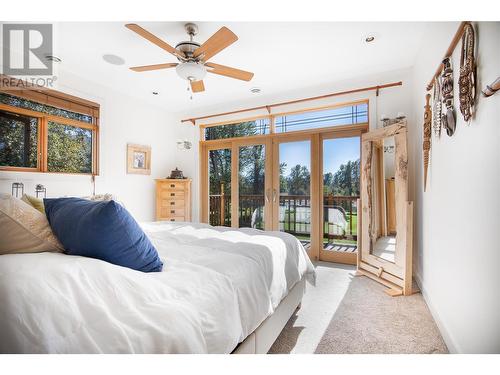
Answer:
[(325, 255)]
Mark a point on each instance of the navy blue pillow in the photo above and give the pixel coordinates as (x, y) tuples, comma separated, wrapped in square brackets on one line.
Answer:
[(104, 230)]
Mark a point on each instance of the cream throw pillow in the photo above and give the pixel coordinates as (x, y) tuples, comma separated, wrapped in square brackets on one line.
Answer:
[(24, 229), (34, 202)]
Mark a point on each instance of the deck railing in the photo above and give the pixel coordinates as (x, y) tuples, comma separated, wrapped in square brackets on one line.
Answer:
[(339, 214)]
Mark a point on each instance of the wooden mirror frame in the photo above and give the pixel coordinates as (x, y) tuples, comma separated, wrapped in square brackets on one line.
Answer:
[(396, 276)]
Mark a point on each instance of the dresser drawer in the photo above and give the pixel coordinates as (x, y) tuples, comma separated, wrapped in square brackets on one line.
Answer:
[(170, 212), (171, 194), (177, 218), (172, 203), (173, 186)]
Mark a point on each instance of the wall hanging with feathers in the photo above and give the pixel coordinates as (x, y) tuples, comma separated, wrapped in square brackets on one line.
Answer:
[(427, 135), (437, 108)]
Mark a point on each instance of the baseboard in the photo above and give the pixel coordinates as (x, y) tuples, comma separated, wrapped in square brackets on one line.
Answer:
[(450, 343)]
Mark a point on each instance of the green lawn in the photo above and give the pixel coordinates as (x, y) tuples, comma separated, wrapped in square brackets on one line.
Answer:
[(289, 226)]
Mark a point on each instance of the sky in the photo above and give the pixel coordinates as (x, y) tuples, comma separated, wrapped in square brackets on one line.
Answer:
[(335, 152)]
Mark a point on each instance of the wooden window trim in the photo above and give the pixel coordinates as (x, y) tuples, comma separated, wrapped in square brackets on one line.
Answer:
[(66, 102)]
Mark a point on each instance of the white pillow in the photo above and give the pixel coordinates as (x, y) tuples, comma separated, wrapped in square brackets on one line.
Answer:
[(24, 229), (100, 197)]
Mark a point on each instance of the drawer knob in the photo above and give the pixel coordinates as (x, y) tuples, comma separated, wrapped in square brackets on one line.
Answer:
[(172, 219), (172, 194), (172, 211), (172, 185), (172, 203)]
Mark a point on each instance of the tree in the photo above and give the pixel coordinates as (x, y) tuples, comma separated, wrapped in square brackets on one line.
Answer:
[(327, 183), (299, 180), (283, 178), (345, 181)]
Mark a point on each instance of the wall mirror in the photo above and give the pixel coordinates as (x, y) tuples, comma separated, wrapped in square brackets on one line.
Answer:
[(386, 217)]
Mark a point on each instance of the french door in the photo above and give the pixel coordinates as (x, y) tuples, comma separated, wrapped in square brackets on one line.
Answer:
[(339, 163), (295, 195), (303, 184), (238, 184)]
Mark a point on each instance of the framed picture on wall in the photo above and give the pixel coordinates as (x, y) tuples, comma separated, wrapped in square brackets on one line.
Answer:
[(138, 159)]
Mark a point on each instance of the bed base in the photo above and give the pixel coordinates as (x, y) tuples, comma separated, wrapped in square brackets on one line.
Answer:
[(261, 340)]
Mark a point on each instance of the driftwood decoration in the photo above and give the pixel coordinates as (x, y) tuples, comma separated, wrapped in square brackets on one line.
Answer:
[(427, 135), (467, 79), (437, 108), (493, 88), (448, 117), (397, 274)]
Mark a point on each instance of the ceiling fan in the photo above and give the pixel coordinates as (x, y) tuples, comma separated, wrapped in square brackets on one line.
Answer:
[(193, 57)]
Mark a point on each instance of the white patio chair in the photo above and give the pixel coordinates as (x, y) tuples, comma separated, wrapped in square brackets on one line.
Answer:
[(337, 221)]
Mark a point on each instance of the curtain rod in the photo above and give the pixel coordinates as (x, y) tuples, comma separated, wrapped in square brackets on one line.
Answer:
[(449, 51), (268, 107)]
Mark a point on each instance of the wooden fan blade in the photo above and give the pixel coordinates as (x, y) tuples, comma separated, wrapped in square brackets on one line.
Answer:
[(197, 86), (229, 72), (153, 39), (146, 68), (216, 43)]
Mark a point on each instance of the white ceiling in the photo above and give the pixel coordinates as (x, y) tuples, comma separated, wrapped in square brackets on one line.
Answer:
[(283, 56)]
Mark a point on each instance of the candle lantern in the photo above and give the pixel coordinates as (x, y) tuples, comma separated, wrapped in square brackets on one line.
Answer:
[(16, 187), (39, 189)]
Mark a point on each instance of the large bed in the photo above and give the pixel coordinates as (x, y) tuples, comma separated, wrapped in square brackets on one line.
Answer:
[(222, 290)]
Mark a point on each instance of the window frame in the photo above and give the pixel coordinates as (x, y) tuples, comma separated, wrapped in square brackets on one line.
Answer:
[(272, 121), (42, 139)]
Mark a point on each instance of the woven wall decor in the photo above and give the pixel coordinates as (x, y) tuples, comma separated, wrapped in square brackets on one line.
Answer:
[(427, 135), (448, 116), (467, 79), (437, 108)]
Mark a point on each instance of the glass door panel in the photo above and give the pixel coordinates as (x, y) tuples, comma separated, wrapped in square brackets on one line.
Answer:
[(251, 186), (219, 189), (293, 213), (341, 178)]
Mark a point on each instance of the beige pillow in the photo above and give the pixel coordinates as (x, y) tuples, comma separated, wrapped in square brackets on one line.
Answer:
[(24, 229), (34, 202)]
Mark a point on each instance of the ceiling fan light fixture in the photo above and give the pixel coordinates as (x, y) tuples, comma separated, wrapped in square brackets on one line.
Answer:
[(191, 71)]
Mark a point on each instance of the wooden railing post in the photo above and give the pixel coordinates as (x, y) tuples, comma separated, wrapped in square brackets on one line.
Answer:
[(222, 204), (350, 216)]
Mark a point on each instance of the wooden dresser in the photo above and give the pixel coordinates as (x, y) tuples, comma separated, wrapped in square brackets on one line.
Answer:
[(173, 199)]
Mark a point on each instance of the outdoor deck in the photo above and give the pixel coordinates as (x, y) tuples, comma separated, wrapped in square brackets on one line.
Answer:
[(339, 217)]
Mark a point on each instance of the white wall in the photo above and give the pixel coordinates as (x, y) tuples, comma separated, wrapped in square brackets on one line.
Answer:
[(389, 102), (123, 120), (457, 219)]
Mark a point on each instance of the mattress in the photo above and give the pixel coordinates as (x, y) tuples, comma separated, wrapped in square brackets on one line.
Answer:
[(217, 285)]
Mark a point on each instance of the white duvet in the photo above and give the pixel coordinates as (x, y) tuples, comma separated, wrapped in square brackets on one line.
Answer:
[(216, 287)]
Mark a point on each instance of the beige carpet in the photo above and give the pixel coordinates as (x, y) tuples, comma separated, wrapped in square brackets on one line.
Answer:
[(347, 314)]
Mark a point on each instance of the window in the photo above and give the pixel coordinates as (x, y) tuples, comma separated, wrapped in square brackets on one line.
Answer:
[(69, 149), (36, 136), (239, 129), (18, 140), (354, 113), (347, 115), (15, 101)]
